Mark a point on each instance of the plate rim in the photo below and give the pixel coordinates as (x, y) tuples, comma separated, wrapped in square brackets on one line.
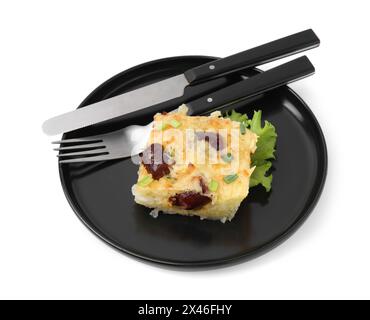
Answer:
[(257, 252)]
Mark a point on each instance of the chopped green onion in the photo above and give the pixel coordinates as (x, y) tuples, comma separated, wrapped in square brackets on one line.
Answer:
[(213, 185), (145, 181), (242, 128), (227, 157), (174, 123), (162, 126), (230, 178)]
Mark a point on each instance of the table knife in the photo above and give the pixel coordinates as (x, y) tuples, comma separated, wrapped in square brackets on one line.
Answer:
[(173, 87)]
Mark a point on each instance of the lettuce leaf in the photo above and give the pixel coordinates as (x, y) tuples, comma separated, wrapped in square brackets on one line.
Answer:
[(259, 176), (266, 143), (236, 116), (266, 138)]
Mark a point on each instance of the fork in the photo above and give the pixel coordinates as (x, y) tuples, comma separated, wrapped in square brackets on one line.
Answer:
[(132, 140)]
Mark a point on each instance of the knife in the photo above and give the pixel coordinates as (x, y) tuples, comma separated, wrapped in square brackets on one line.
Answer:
[(173, 87), (133, 139)]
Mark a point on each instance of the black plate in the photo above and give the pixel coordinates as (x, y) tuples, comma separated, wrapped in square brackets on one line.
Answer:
[(100, 193)]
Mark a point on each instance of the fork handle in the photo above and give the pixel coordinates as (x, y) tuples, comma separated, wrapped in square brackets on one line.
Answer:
[(270, 51), (265, 81)]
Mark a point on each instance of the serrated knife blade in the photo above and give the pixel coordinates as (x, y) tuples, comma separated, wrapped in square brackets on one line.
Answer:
[(117, 106)]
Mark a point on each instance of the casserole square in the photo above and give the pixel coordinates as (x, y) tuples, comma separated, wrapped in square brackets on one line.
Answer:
[(195, 166)]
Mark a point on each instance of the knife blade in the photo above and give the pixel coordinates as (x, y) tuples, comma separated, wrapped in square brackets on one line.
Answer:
[(173, 87), (117, 106)]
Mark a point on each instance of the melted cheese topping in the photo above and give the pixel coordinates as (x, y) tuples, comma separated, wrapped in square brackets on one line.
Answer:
[(196, 159)]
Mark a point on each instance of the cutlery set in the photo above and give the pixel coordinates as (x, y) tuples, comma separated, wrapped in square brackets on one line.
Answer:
[(131, 140)]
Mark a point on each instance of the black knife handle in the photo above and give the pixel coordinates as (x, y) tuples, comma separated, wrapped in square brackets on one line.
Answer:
[(265, 81), (271, 51)]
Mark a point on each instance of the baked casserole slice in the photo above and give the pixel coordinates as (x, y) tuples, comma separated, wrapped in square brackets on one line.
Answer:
[(195, 166)]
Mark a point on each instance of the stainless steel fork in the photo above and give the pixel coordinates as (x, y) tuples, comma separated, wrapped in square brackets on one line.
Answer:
[(122, 143), (132, 140)]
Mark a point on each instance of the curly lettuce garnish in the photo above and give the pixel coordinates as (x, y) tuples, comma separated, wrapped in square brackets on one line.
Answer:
[(266, 143)]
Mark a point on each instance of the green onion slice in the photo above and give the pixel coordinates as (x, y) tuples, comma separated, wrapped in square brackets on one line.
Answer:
[(213, 185), (227, 157), (230, 178), (242, 128), (162, 126), (174, 123), (145, 181)]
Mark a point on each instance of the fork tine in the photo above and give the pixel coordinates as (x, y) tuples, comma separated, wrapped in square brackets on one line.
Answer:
[(83, 153), (87, 140), (86, 159), (83, 146)]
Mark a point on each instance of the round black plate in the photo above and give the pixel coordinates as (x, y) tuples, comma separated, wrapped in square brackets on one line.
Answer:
[(100, 193)]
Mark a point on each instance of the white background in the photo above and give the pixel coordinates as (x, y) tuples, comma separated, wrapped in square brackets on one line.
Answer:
[(53, 53)]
